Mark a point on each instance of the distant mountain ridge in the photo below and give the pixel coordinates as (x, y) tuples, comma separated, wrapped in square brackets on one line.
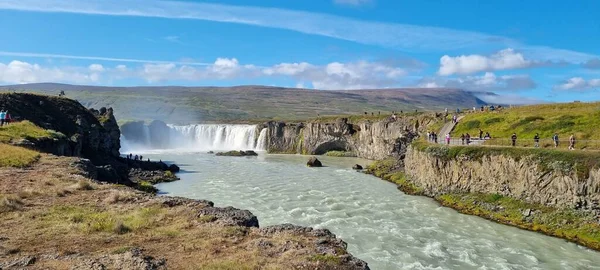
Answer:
[(180, 104)]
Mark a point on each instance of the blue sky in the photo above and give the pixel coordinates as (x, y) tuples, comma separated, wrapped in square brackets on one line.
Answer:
[(524, 51)]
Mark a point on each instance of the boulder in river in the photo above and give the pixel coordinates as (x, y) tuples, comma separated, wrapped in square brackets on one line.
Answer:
[(237, 153), (210, 152), (314, 162), (357, 167)]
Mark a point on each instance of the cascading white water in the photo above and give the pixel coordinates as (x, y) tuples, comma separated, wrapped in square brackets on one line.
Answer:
[(261, 144), (198, 138), (213, 137)]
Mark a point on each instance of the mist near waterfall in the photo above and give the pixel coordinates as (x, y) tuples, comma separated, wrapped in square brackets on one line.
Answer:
[(194, 138)]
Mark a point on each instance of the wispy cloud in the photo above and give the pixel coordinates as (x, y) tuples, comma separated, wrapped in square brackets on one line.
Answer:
[(578, 84), (352, 2), (98, 58), (400, 36), (486, 82)]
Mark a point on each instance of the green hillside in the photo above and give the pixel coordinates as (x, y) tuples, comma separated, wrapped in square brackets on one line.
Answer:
[(175, 104), (580, 119)]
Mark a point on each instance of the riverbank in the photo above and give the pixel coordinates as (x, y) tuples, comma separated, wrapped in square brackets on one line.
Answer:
[(551, 193), (53, 216)]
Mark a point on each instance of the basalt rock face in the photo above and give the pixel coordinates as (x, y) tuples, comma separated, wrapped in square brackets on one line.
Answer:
[(521, 178), (89, 133), (367, 139)]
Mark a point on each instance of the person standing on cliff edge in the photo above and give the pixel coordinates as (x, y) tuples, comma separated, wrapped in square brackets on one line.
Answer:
[(536, 140), (514, 139)]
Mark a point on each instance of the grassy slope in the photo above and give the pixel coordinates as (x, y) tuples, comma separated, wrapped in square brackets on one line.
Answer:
[(25, 130), (580, 119), (12, 156)]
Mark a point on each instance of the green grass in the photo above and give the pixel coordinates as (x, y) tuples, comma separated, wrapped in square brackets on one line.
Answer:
[(580, 162), (580, 119), (573, 225), (340, 154), (94, 220), (147, 187), (388, 170), (26, 130), (326, 258), (13, 156)]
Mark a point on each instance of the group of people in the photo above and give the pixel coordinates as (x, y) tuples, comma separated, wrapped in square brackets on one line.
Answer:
[(536, 140), (4, 117), (432, 137), (136, 157)]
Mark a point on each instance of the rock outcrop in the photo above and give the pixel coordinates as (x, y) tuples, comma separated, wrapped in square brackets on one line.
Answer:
[(314, 162), (526, 177), (81, 132), (367, 139)]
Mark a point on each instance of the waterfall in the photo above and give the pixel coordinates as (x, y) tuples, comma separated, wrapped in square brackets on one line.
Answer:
[(200, 137), (261, 144)]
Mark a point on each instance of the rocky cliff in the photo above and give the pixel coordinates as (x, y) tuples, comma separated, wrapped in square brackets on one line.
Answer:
[(552, 178), (93, 134), (81, 132), (369, 139)]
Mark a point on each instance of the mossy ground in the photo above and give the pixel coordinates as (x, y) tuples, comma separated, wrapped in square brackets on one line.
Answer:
[(580, 119), (388, 170), (25, 130), (13, 156), (575, 226), (340, 154)]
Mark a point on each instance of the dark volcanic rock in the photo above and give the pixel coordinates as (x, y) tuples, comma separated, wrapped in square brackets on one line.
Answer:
[(173, 168), (230, 216), (237, 153), (86, 167), (107, 173), (177, 201), (326, 244), (357, 167), (314, 162)]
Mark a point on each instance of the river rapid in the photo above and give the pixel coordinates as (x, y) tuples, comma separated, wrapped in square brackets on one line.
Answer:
[(383, 226)]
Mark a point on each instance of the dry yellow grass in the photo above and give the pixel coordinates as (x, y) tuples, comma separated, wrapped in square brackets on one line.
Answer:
[(13, 156)]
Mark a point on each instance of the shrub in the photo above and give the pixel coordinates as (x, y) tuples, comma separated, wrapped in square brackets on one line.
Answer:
[(10, 203), (84, 185), (472, 124), (147, 187)]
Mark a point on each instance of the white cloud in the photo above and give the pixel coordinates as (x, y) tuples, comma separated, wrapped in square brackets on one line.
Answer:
[(468, 64), (352, 2), (96, 68), (288, 68), (401, 36), (578, 84), (487, 82), (18, 72), (335, 75)]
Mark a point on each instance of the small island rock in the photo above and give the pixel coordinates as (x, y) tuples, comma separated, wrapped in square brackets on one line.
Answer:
[(314, 162)]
